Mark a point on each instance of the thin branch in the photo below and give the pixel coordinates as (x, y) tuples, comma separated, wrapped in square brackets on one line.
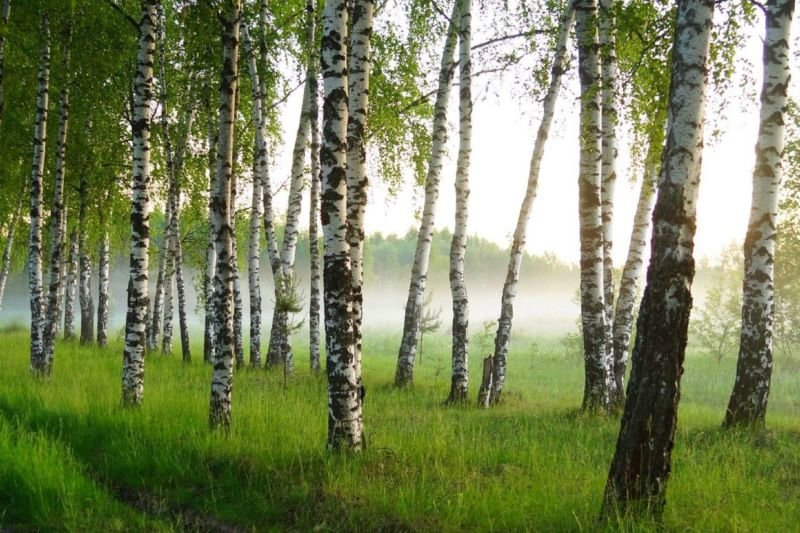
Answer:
[(502, 38), (122, 12), (286, 96)]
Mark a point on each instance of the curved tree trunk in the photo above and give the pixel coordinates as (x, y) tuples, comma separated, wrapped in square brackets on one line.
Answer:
[(748, 401), (8, 247), (222, 218), (345, 414), (642, 461), (280, 346), (85, 280), (503, 337), (608, 172), (313, 214), (38, 363), (596, 385), (458, 246), (133, 356), (404, 374), (71, 286), (359, 65), (58, 218), (632, 271)]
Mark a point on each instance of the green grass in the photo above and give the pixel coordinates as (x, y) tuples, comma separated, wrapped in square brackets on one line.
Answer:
[(534, 463)]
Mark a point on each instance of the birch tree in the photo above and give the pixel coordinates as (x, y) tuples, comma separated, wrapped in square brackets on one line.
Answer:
[(313, 210), (632, 271), (458, 246), (345, 414), (596, 384), (222, 219), (503, 337), (608, 171), (133, 355), (209, 335), (85, 264), (38, 362), (404, 374), (642, 461), (103, 268), (71, 286), (748, 401), (57, 215), (359, 66)]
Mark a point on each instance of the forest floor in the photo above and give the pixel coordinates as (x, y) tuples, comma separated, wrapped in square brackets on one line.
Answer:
[(72, 459)]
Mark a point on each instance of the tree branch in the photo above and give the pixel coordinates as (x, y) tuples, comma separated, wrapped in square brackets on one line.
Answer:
[(119, 10)]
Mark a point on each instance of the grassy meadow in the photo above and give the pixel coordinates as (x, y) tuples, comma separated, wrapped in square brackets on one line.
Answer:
[(72, 459)]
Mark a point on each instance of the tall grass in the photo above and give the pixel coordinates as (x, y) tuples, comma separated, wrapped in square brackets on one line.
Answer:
[(533, 463)]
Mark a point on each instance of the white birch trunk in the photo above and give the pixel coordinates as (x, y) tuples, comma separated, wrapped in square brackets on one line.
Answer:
[(154, 332), (359, 66), (503, 337), (71, 286), (632, 271), (608, 172), (458, 247), (345, 414), (62, 285), (748, 401), (596, 385), (238, 307), (642, 462), (404, 374), (133, 356), (58, 218), (222, 219), (103, 269), (209, 334), (254, 248), (38, 360), (313, 214), (85, 278)]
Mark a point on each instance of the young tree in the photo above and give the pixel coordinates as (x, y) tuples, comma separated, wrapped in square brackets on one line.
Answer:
[(104, 265), (404, 374), (596, 384), (503, 337), (632, 271), (642, 461), (222, 220), (38, 363), (345, 415), (458, 246), (209, 334), (748, 401), (133, 355)]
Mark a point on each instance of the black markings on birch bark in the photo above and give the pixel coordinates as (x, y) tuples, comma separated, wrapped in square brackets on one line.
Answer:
[(71, 286), (209, 334), (458, 246), (222, 217), (313, 214), (85, 262), (404, 374), (103, 268), (596, 384), (642, 461), (58, 216), (38, 361), (138, 299), (748, 401)]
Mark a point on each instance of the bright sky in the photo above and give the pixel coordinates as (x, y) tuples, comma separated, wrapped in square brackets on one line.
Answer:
[(503, 135)]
